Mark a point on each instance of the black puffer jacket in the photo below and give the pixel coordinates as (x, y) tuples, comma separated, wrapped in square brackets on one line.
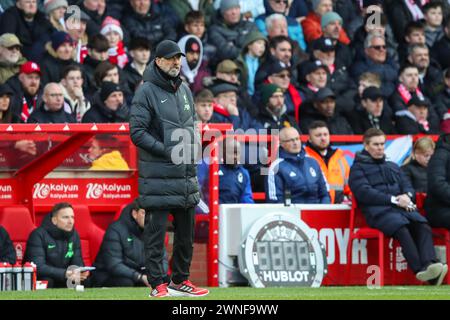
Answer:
[(230, 39), (437, 203), (99, 113), (160, 106), (7, 252), (417, 175), (121, 254), (32, 36), (153, 26), (41, 115), (53, 250)]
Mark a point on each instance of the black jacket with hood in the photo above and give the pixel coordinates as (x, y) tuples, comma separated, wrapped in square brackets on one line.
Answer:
[(160, 106), (99, 113), (121, 254), (7, 252), (53, 250), (42, 115), (437, 204)]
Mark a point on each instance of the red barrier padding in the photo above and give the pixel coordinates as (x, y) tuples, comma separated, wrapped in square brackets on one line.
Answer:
[(17, 221)]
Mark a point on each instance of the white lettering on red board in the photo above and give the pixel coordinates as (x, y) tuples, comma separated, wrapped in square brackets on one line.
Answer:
[(338, 237), (108, 191)]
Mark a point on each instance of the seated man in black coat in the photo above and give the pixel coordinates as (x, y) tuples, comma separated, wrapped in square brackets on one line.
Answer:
[(384, 195), (108, 106), (51, 109), (371, 113), (55, 246), (7, 252), (120, 261)]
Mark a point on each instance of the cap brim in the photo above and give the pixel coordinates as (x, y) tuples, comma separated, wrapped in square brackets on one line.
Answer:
[(171, 55)]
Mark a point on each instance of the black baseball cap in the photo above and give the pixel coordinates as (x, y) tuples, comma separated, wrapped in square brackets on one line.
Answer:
[(324, 93), (372, 93), (419, 101), (312, 66), (168, 49), (277, 66), (323, 44)]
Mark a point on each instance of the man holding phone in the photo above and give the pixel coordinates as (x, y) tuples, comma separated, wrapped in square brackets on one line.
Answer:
[(55, 248)]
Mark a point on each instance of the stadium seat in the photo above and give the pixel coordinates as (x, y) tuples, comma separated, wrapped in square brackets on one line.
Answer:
[(364, 232), (17, 221), (91, 235), (440, 233)]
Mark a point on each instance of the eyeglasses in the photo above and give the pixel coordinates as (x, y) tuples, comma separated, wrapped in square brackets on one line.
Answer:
[(14, 48), (291, 140), (379, 47), (56, 95)]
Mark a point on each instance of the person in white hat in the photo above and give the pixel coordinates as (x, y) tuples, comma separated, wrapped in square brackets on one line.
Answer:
[(112, 30)]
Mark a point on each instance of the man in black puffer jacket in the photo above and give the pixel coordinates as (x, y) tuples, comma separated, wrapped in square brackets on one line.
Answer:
[(120, 261), (55, 246), (108, 106), (162, 110), (437, 203)]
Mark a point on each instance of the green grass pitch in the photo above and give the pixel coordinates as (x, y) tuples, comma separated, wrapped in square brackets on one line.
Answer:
[(245, 293)]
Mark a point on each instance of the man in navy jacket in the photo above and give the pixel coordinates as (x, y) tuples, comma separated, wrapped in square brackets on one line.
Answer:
[(385, 197), (295, 173)]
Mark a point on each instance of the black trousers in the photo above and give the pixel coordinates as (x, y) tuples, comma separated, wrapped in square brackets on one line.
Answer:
[(183, 245), (416, 240)]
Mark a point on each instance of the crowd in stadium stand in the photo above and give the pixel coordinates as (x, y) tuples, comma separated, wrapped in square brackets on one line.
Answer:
[(312, 67), (319, 52)]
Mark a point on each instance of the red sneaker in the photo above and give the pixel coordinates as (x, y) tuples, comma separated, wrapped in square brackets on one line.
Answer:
[(160, 291), (186, 289)]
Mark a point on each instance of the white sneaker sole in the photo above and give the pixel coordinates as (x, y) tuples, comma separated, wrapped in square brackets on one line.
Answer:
[(432, 271), (442, 275), (176, 293)]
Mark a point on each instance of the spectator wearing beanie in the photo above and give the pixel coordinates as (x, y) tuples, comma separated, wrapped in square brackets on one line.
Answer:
[(320, 17), (60, 53), (294, 29), (273, 113), (253, 53), (193, 69), (109, 105), (230, 30), (55, 10), (147, 21), (112, 30)]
